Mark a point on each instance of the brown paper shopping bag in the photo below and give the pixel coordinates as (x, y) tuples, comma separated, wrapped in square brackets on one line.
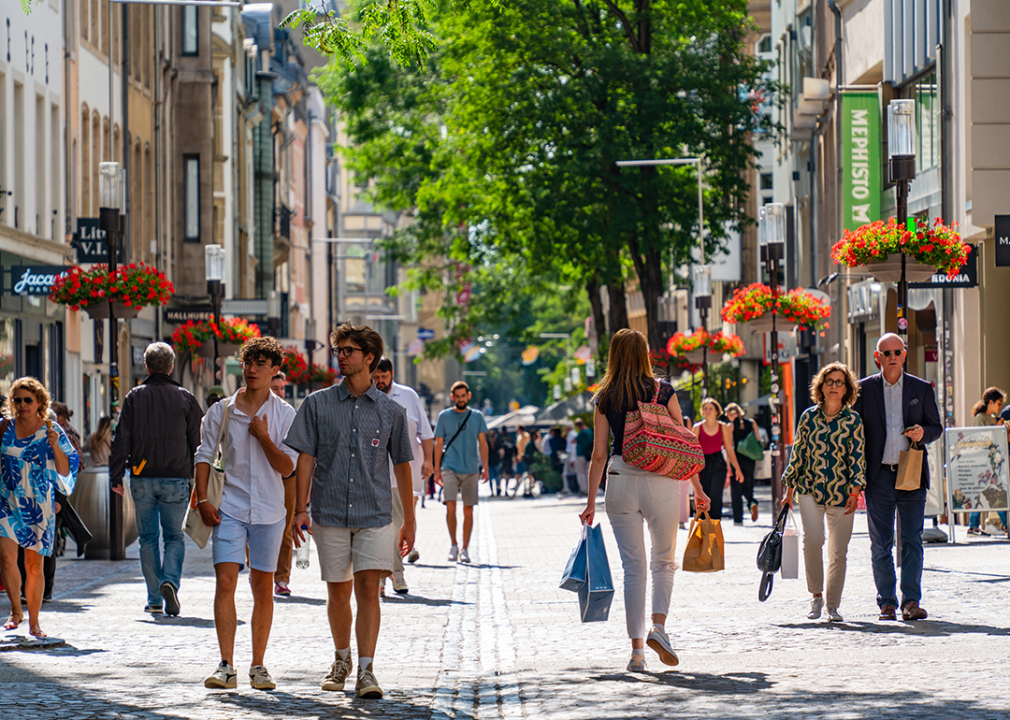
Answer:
[(909, 468), (704, 551)]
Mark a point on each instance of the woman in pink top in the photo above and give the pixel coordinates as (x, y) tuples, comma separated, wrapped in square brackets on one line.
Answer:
[(715, 437)]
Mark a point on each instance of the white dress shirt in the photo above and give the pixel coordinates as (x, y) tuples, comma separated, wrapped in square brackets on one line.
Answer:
[(418, 427), (253, 490), (894, 413)]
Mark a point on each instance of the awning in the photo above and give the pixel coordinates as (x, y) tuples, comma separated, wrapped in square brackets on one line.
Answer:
[(564, 409), (523, 416)]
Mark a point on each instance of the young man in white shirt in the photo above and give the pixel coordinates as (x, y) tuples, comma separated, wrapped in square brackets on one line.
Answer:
[(255, 461), (419, 429)]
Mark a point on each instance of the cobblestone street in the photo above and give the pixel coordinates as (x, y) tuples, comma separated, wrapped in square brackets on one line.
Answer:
[(499, 639)]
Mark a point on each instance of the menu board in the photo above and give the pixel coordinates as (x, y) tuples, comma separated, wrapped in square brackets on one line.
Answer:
[(977, 473)]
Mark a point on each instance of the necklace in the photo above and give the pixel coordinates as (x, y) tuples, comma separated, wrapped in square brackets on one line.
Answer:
[(830, 416)]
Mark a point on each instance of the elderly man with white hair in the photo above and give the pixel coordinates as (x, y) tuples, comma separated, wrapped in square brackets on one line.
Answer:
[(896, 408)]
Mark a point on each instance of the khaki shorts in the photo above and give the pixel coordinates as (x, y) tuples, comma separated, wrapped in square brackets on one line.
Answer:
[(456, 484), (345, 551)]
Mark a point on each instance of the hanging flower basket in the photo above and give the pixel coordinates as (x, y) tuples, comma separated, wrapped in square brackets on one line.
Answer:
[(889, 270), (130, 287), (723, 344), (100, 310), (663, 359), (196, 338), (224, 349), (301, 372), (756, 303), (875, 248)]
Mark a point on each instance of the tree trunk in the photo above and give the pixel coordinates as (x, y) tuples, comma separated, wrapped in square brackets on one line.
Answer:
[(618, 307), (649, 268), (599, 320)]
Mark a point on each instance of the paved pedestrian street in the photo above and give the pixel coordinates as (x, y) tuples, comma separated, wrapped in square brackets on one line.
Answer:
[(498, 639)]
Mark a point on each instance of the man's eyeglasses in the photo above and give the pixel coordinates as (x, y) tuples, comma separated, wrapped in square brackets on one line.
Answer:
[(834, 383), (346, 352), (888, 353), (26, 400)]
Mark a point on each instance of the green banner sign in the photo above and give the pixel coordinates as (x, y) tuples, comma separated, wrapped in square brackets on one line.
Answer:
[(861, 159)]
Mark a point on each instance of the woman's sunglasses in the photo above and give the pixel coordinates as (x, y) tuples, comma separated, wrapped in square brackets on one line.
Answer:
[(26, 401)]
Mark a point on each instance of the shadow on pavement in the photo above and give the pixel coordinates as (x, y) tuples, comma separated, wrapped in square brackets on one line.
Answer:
[(335, 704), (924, 628), (418, 600), (187, 621), (294, 600), (734, 683), (985, 577)]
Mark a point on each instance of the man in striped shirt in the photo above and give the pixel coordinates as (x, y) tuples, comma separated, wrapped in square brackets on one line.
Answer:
[(345, 436)]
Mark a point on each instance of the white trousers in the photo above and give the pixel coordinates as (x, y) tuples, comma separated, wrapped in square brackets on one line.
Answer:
[(635, 496), (839, 524)]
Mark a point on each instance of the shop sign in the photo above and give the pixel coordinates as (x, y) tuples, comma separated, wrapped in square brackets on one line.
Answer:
[(966, 278), (182, 316), (1002, 232), (861, 156), (89, 241), (34, 279)]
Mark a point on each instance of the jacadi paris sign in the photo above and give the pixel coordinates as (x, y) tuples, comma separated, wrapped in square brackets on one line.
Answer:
[(861, 158), (34, 279)]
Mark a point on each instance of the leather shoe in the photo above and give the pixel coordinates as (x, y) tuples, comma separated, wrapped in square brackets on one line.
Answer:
[(912, 611), (887, 612)]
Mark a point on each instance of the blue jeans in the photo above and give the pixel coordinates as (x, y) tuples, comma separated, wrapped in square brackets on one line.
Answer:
[(161, 508), (882, 500), (975, 519)]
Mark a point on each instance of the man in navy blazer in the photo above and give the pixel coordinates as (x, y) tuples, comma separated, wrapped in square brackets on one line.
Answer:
[(896, 407)]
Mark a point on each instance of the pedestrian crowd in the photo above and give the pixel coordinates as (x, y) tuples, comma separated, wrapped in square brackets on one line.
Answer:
[(349, 466)]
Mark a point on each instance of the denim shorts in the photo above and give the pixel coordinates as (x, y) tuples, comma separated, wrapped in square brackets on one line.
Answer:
[(264, 541)]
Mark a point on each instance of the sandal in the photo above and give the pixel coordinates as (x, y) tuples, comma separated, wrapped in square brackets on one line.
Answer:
[(11, 623), (37, 632)]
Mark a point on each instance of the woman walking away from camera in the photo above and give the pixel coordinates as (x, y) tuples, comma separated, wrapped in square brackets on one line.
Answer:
[(715, 437), (986, 412), (100, 442), (828, 471), (37, 459), (738, 492), (634, 495)]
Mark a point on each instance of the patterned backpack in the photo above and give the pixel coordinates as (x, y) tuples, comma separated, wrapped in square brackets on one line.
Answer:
[(653, 441)]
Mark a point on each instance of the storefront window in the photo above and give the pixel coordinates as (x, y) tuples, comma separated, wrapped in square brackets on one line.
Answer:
[(7, 365), (927, 109)]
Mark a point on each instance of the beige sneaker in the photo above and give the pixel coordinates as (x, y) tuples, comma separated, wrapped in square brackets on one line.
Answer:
[(339, 670), (223, 678), (259, 678), (367, 686)]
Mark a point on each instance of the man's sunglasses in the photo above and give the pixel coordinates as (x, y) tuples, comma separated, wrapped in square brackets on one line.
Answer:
[(26, 401), (888, 353)]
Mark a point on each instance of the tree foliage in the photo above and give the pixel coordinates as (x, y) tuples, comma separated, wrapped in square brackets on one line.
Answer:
[(503, 144)]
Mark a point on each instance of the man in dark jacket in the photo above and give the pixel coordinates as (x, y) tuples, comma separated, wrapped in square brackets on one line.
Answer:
[(157, 436), (896, 408)]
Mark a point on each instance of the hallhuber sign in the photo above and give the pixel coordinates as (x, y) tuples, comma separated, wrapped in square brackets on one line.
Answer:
[(861, 159)]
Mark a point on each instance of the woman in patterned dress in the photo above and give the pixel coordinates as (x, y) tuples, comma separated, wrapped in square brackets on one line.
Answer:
[(828, 472), (36, 459)]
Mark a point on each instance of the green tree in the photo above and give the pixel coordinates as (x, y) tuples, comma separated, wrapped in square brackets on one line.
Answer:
[(504, 143)]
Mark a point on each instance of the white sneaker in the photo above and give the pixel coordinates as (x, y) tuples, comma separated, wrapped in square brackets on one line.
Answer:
[(816, 605), (223, 677), (464, 555), (659, 641), (637, 664), (259, 678), (399, 584), (414, 556), (834, 615), (453, 553)]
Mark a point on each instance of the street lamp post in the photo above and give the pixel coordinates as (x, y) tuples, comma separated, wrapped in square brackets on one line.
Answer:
[(110, 204), (214, 259), (901, 171), (772, 241), (701, 276)]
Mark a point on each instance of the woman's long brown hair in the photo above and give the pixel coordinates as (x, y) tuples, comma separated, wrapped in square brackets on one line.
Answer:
[(627, 366)]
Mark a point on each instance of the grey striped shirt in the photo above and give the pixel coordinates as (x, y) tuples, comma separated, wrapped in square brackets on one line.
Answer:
[(351, 439)]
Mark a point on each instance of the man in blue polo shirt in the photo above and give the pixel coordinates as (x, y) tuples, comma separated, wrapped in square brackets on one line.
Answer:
[(458, 434)]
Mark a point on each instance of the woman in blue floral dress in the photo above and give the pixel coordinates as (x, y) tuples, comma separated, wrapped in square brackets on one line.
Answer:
[(36, 459)]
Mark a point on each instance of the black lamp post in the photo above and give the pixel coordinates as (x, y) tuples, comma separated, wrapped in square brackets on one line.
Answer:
[(901, 171), (110, 203), (701, 276), (214, 260), (772, 241)]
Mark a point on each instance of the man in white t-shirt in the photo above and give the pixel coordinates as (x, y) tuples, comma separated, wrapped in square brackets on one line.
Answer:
[(419, 429)]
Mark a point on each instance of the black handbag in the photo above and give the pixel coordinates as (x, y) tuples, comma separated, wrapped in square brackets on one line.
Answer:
[(769, 556)]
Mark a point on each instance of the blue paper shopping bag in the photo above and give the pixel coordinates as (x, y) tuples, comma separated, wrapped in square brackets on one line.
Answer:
[(574, 576), (597, 593)]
